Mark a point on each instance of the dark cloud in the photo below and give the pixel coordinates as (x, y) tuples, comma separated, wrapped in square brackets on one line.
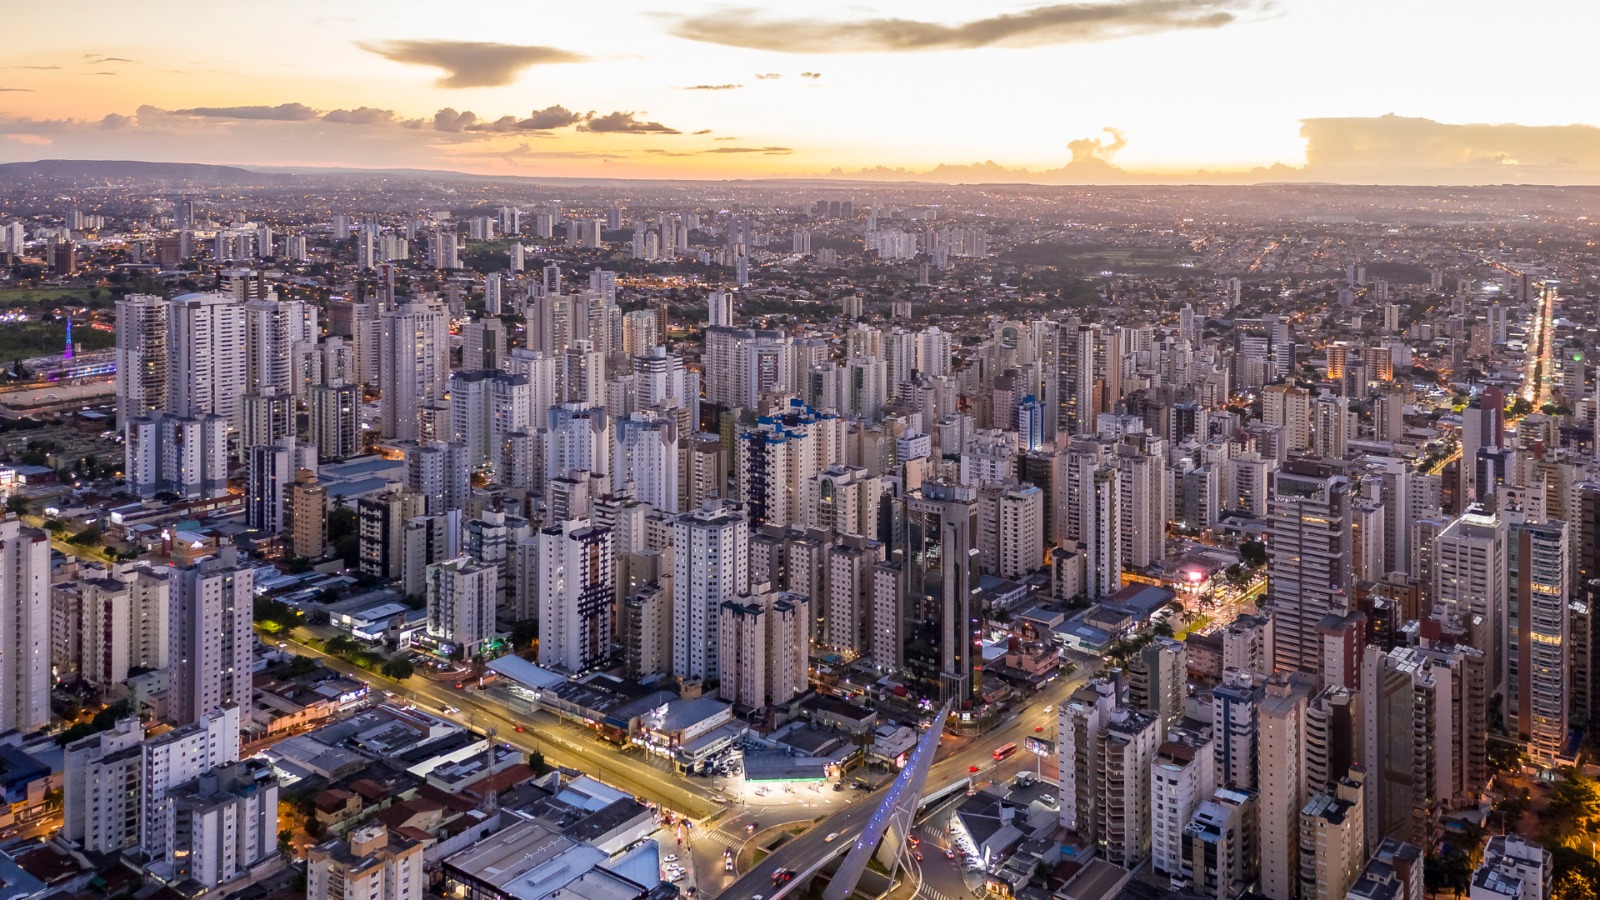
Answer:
[(730, 138), (472, 63), (769, 151), (449, 120), (115, 122), (708, 131), (1057, 23), (714, 87), (548, 118), (16, 90), (362, 115), (811, 75), (624, 123), (1088, 150), (284, 112), (768, 76), (110, 59)]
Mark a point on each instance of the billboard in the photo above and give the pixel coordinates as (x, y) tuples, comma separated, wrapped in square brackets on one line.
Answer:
[(1038, 746)]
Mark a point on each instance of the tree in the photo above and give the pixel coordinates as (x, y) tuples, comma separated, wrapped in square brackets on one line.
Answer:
[(89, 537), (1448, 871), (1574, 807), (536, 762), (18, 505), (1253, 553), (398, 668)]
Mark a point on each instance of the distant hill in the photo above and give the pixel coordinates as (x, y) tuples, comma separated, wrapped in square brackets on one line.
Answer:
[(127, 168)]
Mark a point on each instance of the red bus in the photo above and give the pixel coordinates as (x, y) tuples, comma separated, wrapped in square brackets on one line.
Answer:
[(1005, 751)]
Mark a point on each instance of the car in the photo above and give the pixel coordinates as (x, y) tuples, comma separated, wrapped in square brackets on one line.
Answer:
[(452, 710), (751, 828), (917, 855), (1049, 708), (1038, 728), (1048, 798), (972, 768), (672, 857), (838, 786), (832, 836), (949, 854), (521, 729), (460, 685), (914, 840)]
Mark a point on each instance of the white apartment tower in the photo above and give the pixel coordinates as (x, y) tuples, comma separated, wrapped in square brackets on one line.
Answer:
[(206, 358), (710, 565), (24, 628), (577, 591), (210, 646), (413, 365)]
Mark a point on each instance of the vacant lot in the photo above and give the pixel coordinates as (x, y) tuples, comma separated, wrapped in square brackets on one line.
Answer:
[(77, 296)]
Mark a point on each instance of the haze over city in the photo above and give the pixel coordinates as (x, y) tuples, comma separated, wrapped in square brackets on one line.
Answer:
[(1208, 91)]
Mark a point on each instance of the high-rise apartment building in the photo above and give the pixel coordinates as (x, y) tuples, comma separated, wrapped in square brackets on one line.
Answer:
[(211, 647), (413, 365), (647, 458), (711, 565), (206, 357), (937, 543), (141, 356), (24, 628), (374, 863), (461, 604), (577, 591), (1538, 687), (1309, 559)]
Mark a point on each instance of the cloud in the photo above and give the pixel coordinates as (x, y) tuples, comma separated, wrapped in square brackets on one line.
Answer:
[(1396, 148), (448, 120), (768, 76), (708, 131), (16, 90), (102, 73), (32, 140), (548, 118), (108, 59), (1058, 23), (811, 75), (1092, 150), (624, 123), (714, 87), (471, 63), (769, 151), (34, 68), (115, 122), (284, 112), (361, 115)]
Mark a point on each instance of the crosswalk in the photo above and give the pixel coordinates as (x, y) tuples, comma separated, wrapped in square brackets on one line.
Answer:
[(925, 892), (720, 838)]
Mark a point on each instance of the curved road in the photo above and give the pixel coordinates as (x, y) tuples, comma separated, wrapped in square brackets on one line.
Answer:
[(804, 851)]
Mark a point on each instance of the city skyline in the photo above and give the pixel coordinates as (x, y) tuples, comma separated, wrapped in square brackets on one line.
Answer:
[(1147, 91)]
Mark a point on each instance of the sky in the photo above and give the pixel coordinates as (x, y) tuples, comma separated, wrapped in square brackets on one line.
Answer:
[(1128, 91)]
